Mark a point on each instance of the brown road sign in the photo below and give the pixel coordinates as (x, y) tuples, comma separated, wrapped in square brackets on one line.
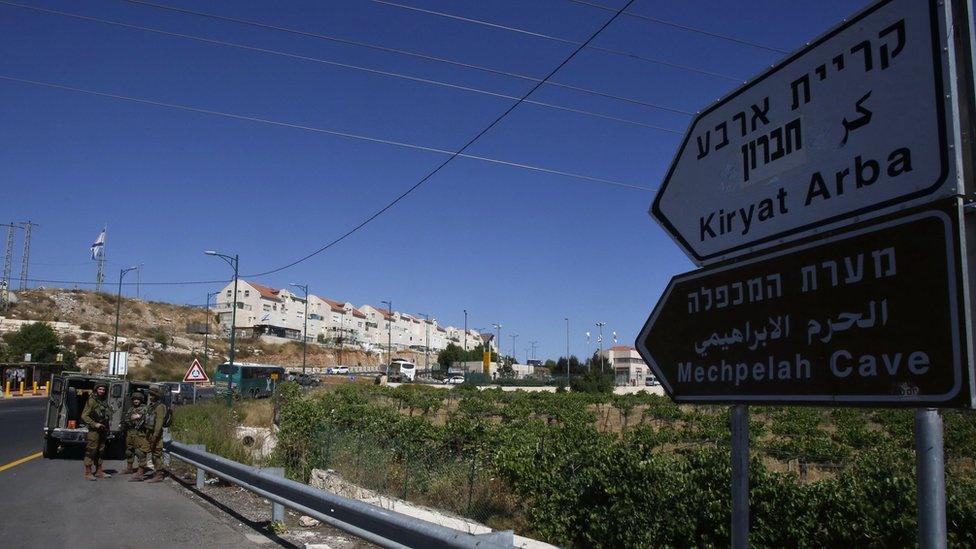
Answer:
[(873, 316)]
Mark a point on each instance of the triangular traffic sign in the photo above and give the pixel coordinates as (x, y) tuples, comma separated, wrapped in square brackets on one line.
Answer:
[(195, 373)]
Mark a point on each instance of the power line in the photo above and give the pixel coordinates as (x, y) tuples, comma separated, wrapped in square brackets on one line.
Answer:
[(684, 27), (378, 72), (408, 53), (534, 34), (459, 152), (346, 135)]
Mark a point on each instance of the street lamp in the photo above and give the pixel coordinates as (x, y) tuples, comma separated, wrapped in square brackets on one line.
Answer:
[(234, 262), (304, 288), (389, 335), (465, 333), (514, 340), (600, 341), (118, 310)]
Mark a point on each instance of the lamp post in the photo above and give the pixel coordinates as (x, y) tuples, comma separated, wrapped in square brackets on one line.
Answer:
[(465, 333), (389, 335), (118, 311), (234, 262), (567, 350), (600, 341), (304, 288), (514, 341)]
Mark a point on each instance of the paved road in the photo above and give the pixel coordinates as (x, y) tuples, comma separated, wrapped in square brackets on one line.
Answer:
[(47, 503)]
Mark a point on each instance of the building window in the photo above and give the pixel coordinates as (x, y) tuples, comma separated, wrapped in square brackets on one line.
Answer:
[(247, 293)]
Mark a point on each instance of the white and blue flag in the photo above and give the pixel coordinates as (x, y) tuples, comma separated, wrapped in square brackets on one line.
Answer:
[(98, 247)]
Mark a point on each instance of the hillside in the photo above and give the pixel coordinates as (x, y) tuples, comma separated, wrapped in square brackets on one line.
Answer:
[(154, 333)]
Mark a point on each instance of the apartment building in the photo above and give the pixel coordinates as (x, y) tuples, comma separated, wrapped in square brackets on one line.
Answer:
[(628, 366), (262, 310)]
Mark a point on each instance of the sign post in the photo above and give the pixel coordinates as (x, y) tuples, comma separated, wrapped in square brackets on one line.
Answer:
[(195, 374), (847, 164)]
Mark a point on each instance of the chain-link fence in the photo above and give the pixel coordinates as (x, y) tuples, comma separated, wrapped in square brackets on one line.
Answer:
[(438, 477)]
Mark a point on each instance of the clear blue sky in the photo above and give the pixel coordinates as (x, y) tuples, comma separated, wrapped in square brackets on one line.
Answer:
[(520, 248)]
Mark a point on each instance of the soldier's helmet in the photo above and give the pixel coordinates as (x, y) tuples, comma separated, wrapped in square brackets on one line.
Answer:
[(138, 395), (154, 391), (100, 384)]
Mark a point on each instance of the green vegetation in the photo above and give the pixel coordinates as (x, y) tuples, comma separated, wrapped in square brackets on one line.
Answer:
[(213, 424), (455, 353), (40, 340), (594, 469)]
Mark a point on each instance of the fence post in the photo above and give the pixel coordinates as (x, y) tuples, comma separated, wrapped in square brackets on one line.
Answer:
[(930, 467), (277, 509), (201, 474), (740, 476)]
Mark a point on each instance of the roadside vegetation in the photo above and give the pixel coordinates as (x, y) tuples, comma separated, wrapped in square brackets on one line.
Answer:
[(595, 469), (603, 470)]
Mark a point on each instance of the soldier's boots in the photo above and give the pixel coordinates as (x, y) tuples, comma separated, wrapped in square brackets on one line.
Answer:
[(158, 477), (88, 473), (137, 475), (101, 474), (128, 468)]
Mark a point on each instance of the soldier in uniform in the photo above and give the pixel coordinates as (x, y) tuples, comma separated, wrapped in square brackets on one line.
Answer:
[(153, 429), (96, 416), (137, 447)]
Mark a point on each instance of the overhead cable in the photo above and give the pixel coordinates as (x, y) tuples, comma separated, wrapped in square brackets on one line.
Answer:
[(408, 53), (458, 153), (338, 64), (337, 133), (683, 27), (534, 34)]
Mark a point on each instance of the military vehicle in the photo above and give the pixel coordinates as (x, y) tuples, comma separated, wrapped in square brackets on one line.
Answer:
[(69, 393)]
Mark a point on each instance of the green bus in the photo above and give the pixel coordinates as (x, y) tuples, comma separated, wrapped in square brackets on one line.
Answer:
[(248, 380)]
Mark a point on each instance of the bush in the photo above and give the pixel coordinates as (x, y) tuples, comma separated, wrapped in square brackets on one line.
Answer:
[(161, 338), (593, 381)]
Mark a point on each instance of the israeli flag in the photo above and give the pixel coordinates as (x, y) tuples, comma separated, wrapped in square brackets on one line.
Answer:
[(98, 247)]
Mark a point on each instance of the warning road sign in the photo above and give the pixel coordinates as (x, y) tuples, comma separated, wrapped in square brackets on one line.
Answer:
[(195, 373)]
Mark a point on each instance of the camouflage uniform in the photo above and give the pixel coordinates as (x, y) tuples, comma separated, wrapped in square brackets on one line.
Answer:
[(137, 447), (153, 429), (96, 416)]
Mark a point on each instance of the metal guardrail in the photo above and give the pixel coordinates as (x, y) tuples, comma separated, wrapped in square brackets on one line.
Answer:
[(375, 524)]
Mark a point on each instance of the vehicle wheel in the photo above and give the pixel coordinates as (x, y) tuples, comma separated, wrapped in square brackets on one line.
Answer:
[(50, 448)]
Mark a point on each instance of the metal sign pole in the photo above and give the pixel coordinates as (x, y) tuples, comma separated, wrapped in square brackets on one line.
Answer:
[(930, 468), (740, 476)]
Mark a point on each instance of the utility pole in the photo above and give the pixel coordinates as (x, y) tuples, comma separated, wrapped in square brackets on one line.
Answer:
[(7, 264), (600, 340), (206, 332), (498, 341), (389, 335), (25, 260), (304, 288), (98, 254), (533, 345), (465, 333), (567, 350), (427, 343), (139, 278)]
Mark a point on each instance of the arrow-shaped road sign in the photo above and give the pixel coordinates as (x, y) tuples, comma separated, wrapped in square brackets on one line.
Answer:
[(853, 126)]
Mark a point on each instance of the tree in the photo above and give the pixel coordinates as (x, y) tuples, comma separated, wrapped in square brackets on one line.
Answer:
[(574, 366), (597, 363), (593, 381), (38, 339), (451, 354)]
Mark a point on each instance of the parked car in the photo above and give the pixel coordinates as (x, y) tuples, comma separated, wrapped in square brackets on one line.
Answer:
[(306, 380), (455, 380), (341, 370)]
